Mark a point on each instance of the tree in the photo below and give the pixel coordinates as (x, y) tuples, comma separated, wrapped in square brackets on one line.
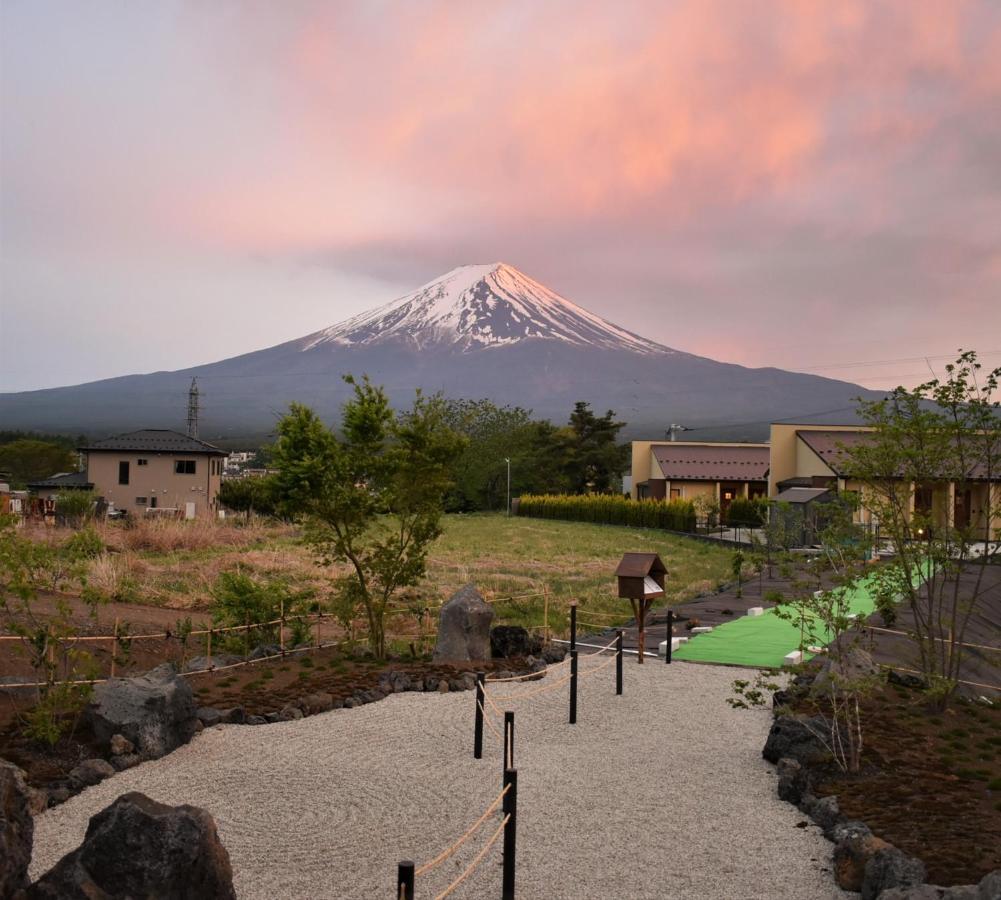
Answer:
[(594, 461), (31, 460), (75, 507), (249, 495), (825, 618), (495, 434), (940, 440), (372, 498)]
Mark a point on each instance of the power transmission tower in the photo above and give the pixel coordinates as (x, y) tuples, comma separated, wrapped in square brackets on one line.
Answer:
[(193, 409)]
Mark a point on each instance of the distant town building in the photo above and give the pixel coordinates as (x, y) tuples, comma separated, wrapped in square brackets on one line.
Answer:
[(156, 469)]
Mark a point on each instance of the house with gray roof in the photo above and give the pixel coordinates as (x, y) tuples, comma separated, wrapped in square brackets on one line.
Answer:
[(156, 471)]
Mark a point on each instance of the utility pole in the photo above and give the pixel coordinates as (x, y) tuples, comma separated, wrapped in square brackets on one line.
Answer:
[(193, 408), (508, 461)]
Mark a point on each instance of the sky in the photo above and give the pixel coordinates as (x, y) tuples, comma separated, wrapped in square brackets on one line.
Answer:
[(803, 184)]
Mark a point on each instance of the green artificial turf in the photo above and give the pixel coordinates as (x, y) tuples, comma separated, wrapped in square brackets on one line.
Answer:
[(761, 641)]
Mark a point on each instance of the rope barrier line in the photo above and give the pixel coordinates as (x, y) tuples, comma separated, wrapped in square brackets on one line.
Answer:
[(542, 690), (941, 640), (448, 851), (476, 861), (993, 687), (594, 669), (489, 721), (529, 676), (490, 700)]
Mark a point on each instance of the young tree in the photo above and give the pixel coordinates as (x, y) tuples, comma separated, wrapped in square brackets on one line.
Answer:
[(373, 497), (942, 439), (825, 618)]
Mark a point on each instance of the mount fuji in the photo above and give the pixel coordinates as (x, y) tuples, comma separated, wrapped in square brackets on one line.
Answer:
[(479, 331)]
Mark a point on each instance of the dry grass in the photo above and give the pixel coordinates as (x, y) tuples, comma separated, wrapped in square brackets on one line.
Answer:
[(175, 564)]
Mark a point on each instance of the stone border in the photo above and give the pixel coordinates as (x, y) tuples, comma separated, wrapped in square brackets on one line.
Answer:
[(861, 861)]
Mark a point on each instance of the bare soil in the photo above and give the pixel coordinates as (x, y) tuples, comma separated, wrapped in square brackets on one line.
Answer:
[(931, 782)]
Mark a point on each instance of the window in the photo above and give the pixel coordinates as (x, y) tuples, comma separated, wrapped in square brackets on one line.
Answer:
[(675, 493), (152, 502), (142, 462), (184, 467), (123, 472), (140, 501)]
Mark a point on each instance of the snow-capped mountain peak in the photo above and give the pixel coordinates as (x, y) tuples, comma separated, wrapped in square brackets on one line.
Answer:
[(481, 306)]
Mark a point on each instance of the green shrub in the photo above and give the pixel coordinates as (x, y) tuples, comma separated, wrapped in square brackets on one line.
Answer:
[(745, 513), (242, 600), (84, 544), (610, 509)]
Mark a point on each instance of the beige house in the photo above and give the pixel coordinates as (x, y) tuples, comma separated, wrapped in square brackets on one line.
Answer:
[(807, 458), (156, 469), (685, 470)]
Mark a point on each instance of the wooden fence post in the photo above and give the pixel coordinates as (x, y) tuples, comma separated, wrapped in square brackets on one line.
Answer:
[(114, 648)]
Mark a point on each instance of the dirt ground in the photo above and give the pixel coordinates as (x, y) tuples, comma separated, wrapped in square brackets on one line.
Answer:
[(931, 783)]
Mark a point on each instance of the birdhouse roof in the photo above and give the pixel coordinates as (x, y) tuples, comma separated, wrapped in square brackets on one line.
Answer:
[(639, 565)]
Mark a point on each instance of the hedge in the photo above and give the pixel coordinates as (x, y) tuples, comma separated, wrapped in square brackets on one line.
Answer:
[(609, 509)]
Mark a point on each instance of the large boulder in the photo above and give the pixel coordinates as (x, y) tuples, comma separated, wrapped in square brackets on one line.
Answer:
[(507, 641), (798, 738), (849, 665), (851, 853), (155, 711), (140, 848), (16, 829), (890, 868), (464, 628)]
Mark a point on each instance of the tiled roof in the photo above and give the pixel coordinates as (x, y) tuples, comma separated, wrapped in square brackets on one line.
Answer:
[(801, 495), (827, 445), (695, 462), (156, 440), (63, 480)]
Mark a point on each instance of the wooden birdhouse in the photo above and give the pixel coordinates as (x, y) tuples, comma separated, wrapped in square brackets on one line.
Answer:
[(641, 576), (641, 581)]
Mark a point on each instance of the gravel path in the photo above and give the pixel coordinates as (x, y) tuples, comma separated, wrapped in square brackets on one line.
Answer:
[(659, 793)]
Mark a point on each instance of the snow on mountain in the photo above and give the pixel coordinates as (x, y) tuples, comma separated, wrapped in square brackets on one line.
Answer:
[(477, 307)]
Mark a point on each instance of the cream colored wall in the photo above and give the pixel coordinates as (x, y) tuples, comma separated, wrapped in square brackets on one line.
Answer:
[(641, 462), (156, 478), (784, 458), (808, 463), (692, 489)]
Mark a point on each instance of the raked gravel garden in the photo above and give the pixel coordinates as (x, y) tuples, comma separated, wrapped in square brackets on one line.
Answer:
[(661, 792)]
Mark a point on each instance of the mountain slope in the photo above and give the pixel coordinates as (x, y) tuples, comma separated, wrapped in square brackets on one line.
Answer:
[(478, 331)]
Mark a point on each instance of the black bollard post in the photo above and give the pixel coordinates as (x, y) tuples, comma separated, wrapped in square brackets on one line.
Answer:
[(478, 721), (508, 740), (573, 625), (670, 634), (618, 662), (510, 832), (405, 880), (573, 687)]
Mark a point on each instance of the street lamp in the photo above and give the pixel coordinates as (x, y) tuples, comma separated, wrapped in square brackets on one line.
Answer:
[(508, 461)]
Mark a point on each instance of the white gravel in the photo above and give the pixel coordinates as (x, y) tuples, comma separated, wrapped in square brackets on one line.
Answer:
[(659, 793)]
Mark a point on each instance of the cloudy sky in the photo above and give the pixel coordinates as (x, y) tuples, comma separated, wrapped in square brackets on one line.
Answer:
[(811, 185)]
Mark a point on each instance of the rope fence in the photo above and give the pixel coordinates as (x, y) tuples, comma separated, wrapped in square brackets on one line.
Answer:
[(407, 873), (940, 640)]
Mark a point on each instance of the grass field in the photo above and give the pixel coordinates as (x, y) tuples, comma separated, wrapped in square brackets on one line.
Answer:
[(174, 565), (574, 560)]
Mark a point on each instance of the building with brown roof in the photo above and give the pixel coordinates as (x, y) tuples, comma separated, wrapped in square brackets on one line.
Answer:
[(686, 470), (813, 456)]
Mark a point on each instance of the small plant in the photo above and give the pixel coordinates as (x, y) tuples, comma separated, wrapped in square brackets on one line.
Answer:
[(753, 694)]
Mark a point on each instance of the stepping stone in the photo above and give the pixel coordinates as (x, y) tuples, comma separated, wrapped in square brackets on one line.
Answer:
[(793, 659), (702, 629), (756, 611), (675, 645)]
